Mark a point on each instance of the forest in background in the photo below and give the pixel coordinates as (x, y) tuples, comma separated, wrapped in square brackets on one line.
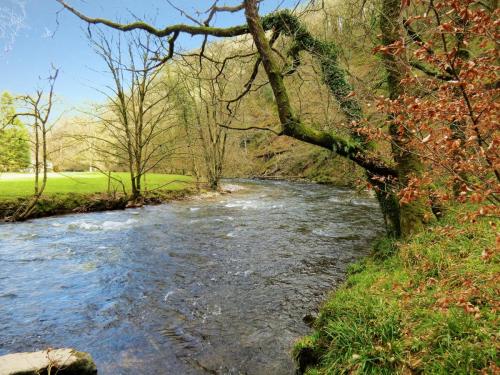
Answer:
[(74, 146), (400, 92)]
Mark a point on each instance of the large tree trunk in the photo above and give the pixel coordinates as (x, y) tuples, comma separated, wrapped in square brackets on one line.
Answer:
[(412, 215), (334, 78)]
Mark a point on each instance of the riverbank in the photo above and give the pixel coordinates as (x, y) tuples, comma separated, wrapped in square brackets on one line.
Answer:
[(61, 204), (75, 192), (426, 305)]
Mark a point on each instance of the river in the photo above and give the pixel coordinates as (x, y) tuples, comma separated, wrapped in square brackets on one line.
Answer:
[(212, 286)]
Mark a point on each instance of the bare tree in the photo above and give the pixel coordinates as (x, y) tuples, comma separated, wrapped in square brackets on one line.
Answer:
[(37, 109), (207, 114), (137, 130)]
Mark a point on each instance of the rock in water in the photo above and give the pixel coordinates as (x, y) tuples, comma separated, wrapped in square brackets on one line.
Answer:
[(309, 319), (50, 361)]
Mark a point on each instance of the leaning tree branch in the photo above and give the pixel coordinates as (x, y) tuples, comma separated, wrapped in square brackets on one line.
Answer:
[(167, 31), (252, 128)]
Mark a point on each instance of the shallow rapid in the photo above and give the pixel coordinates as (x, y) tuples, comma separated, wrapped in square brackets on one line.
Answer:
[(213, 286)]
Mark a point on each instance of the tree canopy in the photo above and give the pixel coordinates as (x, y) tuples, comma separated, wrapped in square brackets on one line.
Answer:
[(14, 137)]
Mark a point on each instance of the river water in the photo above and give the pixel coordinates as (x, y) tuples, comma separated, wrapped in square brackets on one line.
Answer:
[(213, 286)]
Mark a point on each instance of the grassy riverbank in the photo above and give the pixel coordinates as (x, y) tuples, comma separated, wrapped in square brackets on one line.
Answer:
[(15, 185), (85, 192), (427, 305)]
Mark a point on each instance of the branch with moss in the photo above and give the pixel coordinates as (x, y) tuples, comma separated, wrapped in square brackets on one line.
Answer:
[(166, 31)]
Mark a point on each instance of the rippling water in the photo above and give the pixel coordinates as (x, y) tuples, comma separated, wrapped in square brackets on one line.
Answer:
[(214, 286)]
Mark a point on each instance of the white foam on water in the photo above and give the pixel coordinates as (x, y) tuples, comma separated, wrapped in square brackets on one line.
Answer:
[(232, 188), (354, 201), (323, 233), (336, 200), (113, 225), (106, 225), (223, 220), (84, 225), (217, 310), (244, 204), (231, 205), (169, 293), (364, 202), (332, 233)]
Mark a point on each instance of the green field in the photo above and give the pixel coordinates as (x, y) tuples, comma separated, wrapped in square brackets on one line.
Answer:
[(13, 185)]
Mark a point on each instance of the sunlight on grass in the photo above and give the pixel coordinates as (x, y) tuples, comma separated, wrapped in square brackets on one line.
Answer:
[(21, 185)]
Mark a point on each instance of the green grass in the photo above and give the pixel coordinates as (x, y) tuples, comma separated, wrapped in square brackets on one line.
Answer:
[(21, 185), (427, 305)]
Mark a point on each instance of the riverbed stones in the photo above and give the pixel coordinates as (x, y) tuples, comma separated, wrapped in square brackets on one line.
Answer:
[(51, 361)]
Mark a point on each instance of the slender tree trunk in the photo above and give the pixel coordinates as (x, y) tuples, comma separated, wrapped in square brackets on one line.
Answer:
[(138, 185), (44, 158), (109, 183), (40, 146), (389, 206), (37, 156), (132, 182), (191, 151)]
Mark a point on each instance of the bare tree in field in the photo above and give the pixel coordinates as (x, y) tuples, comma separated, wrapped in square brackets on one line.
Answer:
[(37, 109), (206, 115), (136, 121)]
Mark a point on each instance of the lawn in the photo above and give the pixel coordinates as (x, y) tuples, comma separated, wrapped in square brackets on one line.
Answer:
[(14, 185)]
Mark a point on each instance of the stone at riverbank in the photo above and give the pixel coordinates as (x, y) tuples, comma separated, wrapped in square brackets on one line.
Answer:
[(51, 361)]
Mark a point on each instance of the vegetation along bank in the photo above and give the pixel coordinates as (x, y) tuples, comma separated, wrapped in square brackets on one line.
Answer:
[(427, 305), (72, 192)]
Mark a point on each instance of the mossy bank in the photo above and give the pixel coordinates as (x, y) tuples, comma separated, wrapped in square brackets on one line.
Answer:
[(428, 305), (71, 192), (60, 204)]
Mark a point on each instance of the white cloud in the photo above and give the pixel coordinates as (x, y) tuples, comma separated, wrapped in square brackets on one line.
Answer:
[(12, 17), (47, 33)]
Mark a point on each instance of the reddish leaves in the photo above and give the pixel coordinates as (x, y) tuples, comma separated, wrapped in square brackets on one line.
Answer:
[(449, 111)]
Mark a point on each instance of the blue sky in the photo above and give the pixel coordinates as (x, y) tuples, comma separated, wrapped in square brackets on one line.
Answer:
[(42, 37)]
